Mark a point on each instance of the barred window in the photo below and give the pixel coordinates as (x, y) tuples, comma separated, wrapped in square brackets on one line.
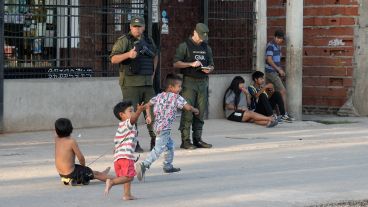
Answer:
[(64, 38)]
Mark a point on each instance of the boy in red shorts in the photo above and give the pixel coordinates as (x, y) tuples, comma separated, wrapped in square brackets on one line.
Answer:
[(125, 142)]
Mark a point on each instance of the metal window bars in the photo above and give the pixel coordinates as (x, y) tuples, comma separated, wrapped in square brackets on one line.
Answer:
[(63, 38), (231, 24)]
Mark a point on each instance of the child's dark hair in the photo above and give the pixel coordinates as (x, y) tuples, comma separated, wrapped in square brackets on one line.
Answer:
[(234, 87), (257, 74), (121, 107), (171, 80), (63, 127), (279, 34)]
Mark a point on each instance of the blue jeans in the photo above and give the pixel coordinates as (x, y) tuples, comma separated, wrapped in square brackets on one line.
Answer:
[(164, 143)]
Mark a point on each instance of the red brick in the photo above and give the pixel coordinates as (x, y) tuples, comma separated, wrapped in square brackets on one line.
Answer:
[(327, 61), (327, 81), (329, 32), (324, 92), (324, 41), (318, 101), (275, 3), (331, 11), (348, 82), (328, 51), (330, 2), (327, 71), (277, 22), (276, 11), (323, 21)]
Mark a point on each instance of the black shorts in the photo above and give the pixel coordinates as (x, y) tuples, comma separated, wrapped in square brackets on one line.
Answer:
[(236, 116), (80, 175)]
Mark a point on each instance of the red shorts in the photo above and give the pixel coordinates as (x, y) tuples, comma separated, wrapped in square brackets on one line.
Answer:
[(124, 168)]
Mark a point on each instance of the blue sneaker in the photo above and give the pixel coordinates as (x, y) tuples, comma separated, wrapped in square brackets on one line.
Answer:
[(272, 123), (171, 170)]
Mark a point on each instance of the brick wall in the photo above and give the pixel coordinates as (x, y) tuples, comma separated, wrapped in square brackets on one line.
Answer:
[(328, 50)]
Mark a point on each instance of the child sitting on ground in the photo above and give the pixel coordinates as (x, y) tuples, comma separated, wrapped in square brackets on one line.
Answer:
[(165, 108), (125, 142), (66, 148)]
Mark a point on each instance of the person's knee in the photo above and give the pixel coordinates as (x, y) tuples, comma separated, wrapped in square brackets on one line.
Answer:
[(277, 94), (247, 116), (262, 97), (159, 148)]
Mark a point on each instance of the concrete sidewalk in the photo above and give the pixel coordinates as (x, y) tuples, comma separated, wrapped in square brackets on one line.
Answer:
[(293, 164)]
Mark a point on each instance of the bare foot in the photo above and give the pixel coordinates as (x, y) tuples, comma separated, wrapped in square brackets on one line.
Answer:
[(106, 171), (127, 198), (108, 186)]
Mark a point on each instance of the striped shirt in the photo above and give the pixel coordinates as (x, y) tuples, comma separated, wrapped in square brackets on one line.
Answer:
[(274, 50), (125, 141), (254, 99)]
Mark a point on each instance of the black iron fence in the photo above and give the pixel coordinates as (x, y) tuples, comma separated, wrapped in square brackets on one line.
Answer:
[(232, 34), (73, 38), (64, 38)]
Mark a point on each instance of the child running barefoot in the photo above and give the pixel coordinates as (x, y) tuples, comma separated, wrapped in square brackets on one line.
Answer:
[(66, 149), (165, 108), (125, 142)]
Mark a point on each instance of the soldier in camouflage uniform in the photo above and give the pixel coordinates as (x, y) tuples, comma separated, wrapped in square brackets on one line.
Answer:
[(136, 55), (194, 58)]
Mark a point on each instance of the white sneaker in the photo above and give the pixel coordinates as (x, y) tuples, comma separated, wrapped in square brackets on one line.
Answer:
[(286, 118), (140, 170)]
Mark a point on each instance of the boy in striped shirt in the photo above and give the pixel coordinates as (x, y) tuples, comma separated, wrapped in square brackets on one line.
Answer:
[(125, 142)]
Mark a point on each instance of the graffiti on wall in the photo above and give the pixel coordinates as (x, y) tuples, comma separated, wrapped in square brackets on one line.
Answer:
[(336, 42)]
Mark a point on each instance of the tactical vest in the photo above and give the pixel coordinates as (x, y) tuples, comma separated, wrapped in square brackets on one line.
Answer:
[(196, 52), (143, 64)]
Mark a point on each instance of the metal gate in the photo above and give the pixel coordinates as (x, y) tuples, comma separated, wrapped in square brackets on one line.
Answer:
[(64, 38)]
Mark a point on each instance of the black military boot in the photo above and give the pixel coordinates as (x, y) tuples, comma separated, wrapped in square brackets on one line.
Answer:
[(197, 140), (153, 142), (185, 140), (152, 135), (138, 148)]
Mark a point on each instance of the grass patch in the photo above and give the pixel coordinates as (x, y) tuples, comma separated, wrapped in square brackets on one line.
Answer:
[(327, 122)]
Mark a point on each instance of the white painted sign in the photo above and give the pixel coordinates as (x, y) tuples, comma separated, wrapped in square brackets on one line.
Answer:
[(336, 42), (155, 11), (165, 29)]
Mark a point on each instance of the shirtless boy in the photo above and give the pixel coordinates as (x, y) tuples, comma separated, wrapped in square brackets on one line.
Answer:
[(66, 149)]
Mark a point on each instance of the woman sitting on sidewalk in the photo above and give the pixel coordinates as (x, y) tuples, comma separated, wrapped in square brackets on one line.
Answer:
[(236, 108)]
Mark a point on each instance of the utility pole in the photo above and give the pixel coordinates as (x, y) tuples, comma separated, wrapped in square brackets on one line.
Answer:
[(261, 33), (205, 12), (294, 56), (2, 66)]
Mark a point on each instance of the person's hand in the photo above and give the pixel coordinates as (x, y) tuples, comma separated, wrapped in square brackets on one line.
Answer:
[(141, 107), (132, 53), (195, 64), (208, 70), (148, 120), (244, 90), (195, 111), (281, 72)]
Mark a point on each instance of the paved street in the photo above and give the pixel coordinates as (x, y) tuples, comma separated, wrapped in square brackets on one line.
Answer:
[(298, 164)]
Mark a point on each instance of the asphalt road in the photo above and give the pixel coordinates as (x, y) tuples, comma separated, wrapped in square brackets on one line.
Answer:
[(298, 164)]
